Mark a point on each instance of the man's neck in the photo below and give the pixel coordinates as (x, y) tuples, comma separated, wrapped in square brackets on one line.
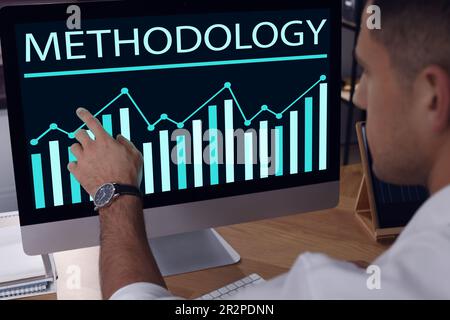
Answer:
[(439, 176)]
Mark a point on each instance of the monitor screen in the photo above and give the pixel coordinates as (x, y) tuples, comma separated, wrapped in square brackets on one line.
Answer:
[(219, 104)]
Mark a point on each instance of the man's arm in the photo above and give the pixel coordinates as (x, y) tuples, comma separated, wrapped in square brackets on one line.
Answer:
[(125, 256)]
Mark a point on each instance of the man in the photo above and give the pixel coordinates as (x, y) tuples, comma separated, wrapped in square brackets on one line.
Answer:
[(406, 92)]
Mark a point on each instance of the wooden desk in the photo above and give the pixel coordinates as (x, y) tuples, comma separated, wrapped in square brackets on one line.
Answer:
[(266, 247)]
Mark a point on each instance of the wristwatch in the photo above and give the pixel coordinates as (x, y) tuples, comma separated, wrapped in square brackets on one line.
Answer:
[(108, 192)]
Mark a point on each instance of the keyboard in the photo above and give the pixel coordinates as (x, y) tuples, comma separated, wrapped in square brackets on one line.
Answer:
[(233, 288)]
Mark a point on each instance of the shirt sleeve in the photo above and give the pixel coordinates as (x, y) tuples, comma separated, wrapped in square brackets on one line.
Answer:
[(413, 268), (313, 276), (143, 291)]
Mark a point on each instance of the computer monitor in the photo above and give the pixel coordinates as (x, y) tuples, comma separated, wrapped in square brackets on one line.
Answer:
[(235, 106)]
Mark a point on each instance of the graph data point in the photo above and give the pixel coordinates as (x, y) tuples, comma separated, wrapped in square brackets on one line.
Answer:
[(164, 116), (34, 142), (124, 90), (71, 135), (151, 127), (53, 126), (180, 125), (279, 116), (264, 107), (227, 85), (247, 122), (323, 77)]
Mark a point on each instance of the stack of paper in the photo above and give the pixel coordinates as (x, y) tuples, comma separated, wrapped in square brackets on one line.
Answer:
[(22, 275)]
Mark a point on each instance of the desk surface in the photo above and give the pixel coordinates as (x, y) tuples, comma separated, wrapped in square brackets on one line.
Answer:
[(335, 232)]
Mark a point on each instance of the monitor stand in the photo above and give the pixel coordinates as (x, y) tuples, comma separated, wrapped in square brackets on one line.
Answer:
[(192, 251)]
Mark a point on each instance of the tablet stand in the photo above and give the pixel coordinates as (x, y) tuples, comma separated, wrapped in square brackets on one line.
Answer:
[(365, 208)]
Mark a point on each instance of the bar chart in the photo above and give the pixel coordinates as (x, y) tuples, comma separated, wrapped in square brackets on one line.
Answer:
[(275, 142)]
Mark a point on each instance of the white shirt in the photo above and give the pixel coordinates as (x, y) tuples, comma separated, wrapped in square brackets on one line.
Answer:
[(417, 266)]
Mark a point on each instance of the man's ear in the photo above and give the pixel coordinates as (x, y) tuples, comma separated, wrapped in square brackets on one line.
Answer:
[(433, 93)]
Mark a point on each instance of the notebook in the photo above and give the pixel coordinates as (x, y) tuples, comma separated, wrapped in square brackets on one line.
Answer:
[(21, 275)]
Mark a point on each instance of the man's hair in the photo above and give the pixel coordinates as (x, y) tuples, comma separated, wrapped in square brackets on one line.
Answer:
[(416, 34)]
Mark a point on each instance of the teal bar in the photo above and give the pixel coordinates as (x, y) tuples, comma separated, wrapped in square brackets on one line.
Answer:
[(38, 181), (125, 123), (323, 125), (279, 151), (264, 149), (181, 162), (294, 142), (148, 168), (213, 145), (165, 160), (308, 133), (248, 145), (173, 66), (55, 165), (90, 134), (107, 123), (198, 152), (229, 141), (74, 184)]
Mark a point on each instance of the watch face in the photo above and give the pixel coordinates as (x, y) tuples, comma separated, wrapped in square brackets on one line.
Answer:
[(104, 195)]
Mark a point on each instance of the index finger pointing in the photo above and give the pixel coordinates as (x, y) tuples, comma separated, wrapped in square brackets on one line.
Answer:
[(91, 122)]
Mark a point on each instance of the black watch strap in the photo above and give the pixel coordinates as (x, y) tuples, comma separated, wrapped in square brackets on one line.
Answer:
[(123, 189)]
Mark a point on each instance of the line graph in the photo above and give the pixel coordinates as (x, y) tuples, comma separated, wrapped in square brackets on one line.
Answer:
[(201, 156), (180, 124)]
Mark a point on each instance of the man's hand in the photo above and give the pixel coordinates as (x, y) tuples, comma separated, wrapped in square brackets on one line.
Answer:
[(105, 159), (125, 256)]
